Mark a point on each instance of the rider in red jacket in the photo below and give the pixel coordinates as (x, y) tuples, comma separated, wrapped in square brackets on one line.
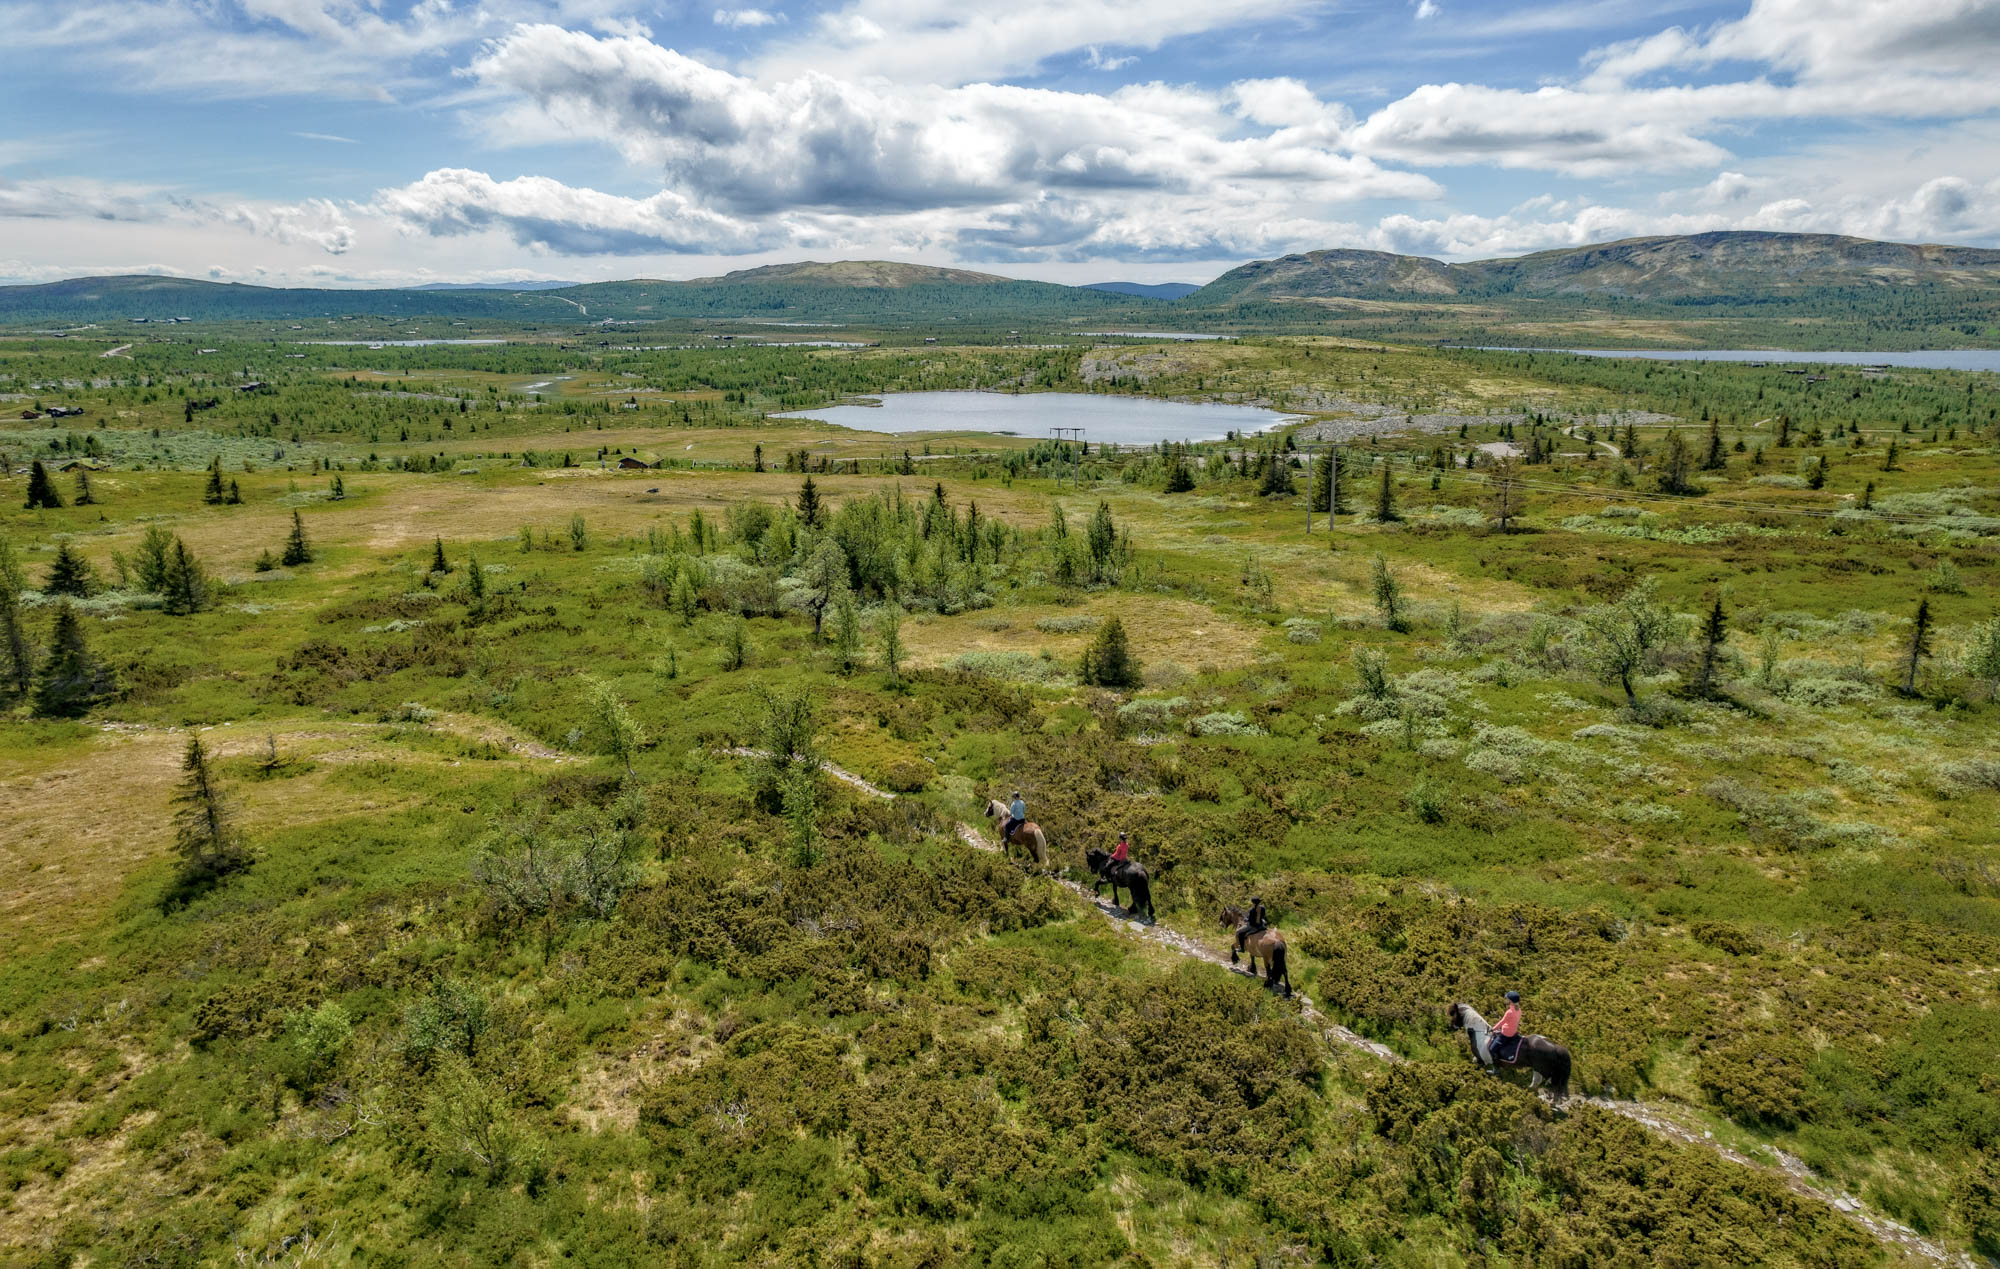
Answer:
[(1122, 852)]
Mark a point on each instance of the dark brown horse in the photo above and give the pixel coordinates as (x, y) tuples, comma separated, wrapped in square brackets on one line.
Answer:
[(1029, 834), (1132, 876), (1543, 1059), (1266, 943)]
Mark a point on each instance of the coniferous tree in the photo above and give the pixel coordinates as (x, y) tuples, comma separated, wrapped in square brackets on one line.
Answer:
[(185, 585), (1889, 458), (17, 654), (1868, 496), (70, 574), (216, 492), (42, 490), (812, 513), (1713, 459), (1676, 466), (84, 496), (235, 498), (1918, 648), (151, 564), (297, 549), (439, 564), (475, 583), (1816, 478), (1108, 661), (892, 644), (1714, 635), (1277, 477), (757, 458), (337, 491), (1180, 477), (1385, 497), (205, 835), (71, 679), (1388, 595), (1103, 541), (1628, 442)]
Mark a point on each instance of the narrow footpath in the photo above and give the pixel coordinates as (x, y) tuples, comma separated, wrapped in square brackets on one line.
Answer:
[(1791, 1172)]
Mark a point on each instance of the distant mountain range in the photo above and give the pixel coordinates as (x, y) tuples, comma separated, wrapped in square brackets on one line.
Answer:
[(492, 286), (1742, 265), (1147, 290), (1849, 289)]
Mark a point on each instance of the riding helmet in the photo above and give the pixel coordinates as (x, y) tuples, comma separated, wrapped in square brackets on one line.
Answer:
[(1514, 997)]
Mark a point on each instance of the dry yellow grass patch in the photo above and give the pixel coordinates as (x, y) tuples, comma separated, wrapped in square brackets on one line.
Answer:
[(1160, 629), (78, 823)]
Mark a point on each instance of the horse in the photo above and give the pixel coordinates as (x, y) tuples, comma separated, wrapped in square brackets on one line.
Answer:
[(1130, 875), (1546, 1060), (1029, 834), (1267, 943)]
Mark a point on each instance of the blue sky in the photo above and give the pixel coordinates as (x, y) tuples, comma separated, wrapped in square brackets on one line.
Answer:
[(371, 142)]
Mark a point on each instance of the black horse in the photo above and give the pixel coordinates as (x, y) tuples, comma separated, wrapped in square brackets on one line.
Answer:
[(1132, 876)]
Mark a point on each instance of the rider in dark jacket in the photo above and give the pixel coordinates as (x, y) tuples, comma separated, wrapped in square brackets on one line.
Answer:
[(1254, 923)]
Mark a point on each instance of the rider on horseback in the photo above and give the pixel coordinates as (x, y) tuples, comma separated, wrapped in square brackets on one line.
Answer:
[(1506, 1041), (1122, 852), (1253, 924), (1017, 815)]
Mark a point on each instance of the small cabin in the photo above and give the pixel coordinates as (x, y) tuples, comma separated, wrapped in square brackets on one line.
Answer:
[(629, 463)]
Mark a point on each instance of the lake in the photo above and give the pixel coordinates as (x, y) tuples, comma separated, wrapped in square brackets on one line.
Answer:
[(1148, 334), (1117, 420), (1935, 359)]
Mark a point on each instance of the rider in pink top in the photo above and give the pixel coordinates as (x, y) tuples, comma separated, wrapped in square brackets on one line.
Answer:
[(1510, 1022)]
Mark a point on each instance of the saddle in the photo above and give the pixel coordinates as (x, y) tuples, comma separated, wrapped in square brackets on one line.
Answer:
[(1504, 1049)]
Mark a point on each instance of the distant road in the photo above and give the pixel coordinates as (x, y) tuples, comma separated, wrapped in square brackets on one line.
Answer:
[(119, 351)]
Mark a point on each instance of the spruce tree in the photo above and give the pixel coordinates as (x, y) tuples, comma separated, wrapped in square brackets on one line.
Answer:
[(185, 585), (1103, 541), (17, 654), (70, 574), (1714, 634), (151, 565), (1888, 459), (811, 511), (1388, 595), (892, 644), (84, 497), (1816, 478), (336, 492), (757, 458), (205, 835), (1108, 661), (475, 583), (235, 498), (1277, 476), (1713, 459), (1868, 496), (439, 564), (71, 680), (216, 492), (1385, 497), (297, 549), (1180, 478), (1676, 465), (1918, 648), (42, 490)]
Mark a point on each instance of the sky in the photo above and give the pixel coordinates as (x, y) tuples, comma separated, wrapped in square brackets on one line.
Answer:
[(391, 142)]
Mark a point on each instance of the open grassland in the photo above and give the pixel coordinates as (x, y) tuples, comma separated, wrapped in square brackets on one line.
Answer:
[(525, 967)]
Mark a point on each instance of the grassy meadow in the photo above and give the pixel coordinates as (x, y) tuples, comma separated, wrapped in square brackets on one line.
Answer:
[(519, 966)]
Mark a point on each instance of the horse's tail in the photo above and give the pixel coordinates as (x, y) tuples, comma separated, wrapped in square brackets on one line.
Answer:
[(1039, 846), (1279, 969), (1142, 890)]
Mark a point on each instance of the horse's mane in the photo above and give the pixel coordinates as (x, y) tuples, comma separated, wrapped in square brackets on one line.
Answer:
[(1467, 1014)]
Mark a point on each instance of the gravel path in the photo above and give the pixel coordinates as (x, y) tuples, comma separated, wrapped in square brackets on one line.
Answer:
[(1789, 1171)]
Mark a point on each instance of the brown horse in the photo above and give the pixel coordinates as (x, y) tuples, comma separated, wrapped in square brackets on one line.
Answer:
[(1029, 834), (1267, 943)]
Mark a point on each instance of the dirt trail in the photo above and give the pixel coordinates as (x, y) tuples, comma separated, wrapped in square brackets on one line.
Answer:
[(1789, 1171)]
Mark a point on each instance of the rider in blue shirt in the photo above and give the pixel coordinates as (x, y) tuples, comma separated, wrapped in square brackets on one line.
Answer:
[(1017, 816)]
